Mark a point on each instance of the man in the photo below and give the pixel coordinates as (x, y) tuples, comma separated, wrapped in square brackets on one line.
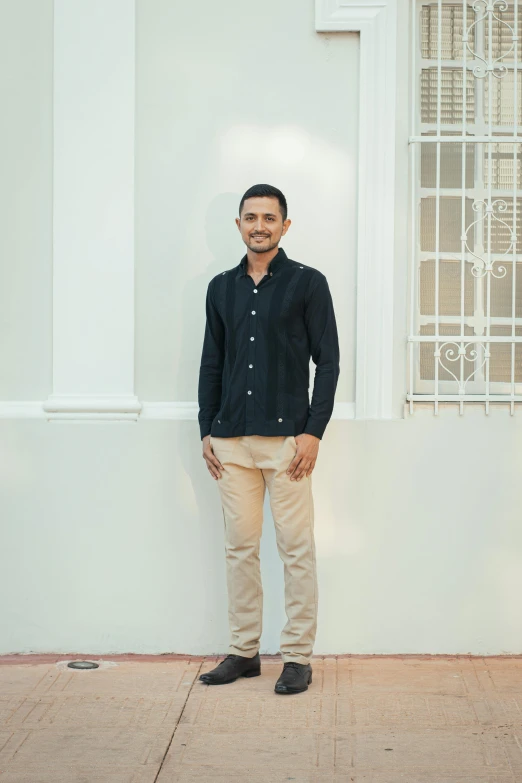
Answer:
[(265, 317)]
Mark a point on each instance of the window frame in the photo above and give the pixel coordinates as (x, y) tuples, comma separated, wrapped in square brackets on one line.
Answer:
[(477, 388)]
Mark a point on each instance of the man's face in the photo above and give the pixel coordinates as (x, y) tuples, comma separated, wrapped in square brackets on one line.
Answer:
[(261, 223)]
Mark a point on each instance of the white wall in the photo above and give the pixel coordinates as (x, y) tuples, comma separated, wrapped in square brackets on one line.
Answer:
[(112, 535), (232, 100), (26, 35)]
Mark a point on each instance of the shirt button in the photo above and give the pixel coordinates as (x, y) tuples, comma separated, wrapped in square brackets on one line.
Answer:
[(250, 392), (255, 290), (250, 365), (251, 338), (253, 312), (219, 421), (270, 274), (300, 267), (280, 420)]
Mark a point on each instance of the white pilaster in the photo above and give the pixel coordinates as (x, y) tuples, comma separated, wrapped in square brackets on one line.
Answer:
[(376, 22), (93, 210)]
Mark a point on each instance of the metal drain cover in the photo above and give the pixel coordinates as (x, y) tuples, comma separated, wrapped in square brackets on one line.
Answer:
[(83, 665)]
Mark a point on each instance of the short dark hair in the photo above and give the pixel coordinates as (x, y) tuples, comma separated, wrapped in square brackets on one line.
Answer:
[(266, 190)]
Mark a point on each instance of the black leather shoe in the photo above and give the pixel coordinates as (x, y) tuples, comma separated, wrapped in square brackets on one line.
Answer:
[(295, 677), (232, 667)]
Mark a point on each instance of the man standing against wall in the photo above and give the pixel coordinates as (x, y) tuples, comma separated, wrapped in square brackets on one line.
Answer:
[(265, 318)]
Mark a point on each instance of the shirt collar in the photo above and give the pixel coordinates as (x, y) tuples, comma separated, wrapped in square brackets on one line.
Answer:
[(277, 261)]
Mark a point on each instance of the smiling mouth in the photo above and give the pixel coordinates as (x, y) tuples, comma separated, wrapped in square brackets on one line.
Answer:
[(259, 236)]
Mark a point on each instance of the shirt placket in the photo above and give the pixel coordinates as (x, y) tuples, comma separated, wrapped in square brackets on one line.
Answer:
[(252, 345), (251, 359)]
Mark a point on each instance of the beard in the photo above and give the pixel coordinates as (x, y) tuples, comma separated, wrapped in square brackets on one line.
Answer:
[(261, 248)]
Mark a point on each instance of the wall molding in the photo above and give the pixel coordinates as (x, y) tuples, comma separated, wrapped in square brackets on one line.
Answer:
[(118, 409), (376, 23), (189, 410), (107, 407)]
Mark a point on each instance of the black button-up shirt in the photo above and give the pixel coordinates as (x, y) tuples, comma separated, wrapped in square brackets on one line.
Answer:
[(254, 375)]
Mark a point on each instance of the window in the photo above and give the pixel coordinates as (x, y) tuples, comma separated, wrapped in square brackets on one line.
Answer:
[(465, 341)]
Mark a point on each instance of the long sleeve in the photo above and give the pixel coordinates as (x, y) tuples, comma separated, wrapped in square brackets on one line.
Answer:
[(211, 368), (324, 347)]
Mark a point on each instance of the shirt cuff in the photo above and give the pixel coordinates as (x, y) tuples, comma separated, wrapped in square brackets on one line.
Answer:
[(204, 428), (315, 428)]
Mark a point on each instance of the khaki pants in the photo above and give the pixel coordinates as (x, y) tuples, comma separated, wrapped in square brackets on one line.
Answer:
[(252, 463)]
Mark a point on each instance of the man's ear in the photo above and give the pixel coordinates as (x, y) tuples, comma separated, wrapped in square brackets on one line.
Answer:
[(286, 225), (238, 223)]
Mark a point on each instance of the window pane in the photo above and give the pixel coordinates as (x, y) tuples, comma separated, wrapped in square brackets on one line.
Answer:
[(450, 164), (500, 360), (449, 288), (501, 291), (502, 99), (503, 28), (502, 165), (451, 96), (449, 223), (451, 35), (501, 225)]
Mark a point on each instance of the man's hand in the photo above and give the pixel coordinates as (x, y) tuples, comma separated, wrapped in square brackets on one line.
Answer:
[(213, 464), (304, 461)]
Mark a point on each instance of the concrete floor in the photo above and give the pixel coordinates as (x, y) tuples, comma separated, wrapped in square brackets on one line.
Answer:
[(364, 719)]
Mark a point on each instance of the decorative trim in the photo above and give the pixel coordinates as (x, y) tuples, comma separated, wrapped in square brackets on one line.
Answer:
[(107, 407), (180, 411), (376, 22), (113, 408), (189, 410), (21, 409)]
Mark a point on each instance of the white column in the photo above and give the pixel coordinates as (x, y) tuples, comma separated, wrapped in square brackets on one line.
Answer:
[(93, 210), (376, 23)]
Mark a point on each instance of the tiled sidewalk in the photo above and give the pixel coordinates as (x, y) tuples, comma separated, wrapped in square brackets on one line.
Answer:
[(375, 719)]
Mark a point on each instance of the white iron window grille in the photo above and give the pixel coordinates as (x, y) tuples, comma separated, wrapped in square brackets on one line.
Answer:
[(465, 338)]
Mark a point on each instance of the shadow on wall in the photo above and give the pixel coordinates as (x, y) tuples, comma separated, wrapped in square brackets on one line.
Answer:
[(226, 246)]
